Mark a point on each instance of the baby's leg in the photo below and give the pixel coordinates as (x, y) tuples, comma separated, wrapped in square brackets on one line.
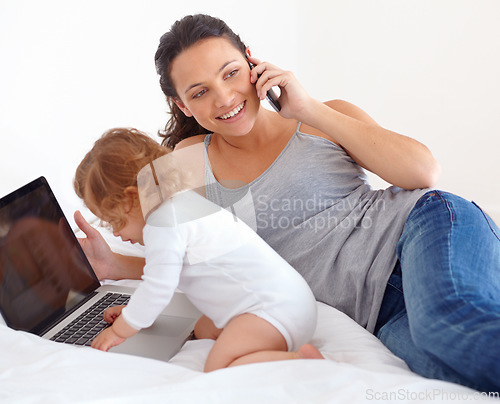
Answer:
[(250, 339), (206, 329), (306, 351)]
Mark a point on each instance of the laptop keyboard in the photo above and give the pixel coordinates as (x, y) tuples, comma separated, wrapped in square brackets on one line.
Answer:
[(83, 329)]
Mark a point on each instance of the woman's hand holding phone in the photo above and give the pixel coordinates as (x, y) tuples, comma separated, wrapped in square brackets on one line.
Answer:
[(293, 99)]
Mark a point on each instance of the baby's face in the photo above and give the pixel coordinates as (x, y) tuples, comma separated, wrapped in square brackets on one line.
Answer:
[(134, 225)]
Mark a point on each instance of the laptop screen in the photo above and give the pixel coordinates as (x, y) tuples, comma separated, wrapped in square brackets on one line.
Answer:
[(43, 270)]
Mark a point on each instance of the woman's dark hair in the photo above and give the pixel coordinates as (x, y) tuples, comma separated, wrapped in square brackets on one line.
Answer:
[(184, 33)]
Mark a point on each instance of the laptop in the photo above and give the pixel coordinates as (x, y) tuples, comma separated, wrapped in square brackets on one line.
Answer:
[(48, 288)]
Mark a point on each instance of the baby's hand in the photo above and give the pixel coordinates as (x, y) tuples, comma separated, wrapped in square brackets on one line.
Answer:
[(107, 339), (111, 313)]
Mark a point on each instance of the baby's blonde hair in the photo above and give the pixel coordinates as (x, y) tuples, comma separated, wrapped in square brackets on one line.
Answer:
[(110, 167)]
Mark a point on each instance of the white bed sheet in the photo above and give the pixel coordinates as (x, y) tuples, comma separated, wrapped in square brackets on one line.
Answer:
[(358, 368)]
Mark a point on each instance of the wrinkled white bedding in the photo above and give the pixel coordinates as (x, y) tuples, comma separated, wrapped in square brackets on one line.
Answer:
[(358, 368)]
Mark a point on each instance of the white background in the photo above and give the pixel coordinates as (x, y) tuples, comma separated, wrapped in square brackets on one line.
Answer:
[(429, 69)]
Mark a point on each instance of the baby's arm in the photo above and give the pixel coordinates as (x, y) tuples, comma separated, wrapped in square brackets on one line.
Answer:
[(115, 334), (164, 252)]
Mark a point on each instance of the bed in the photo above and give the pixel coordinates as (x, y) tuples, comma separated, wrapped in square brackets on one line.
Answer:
[(358, 368)]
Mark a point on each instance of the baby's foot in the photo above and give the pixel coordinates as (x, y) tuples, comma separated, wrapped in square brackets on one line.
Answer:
[(308, 351)]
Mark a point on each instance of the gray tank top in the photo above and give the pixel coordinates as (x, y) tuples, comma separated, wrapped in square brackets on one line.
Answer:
[(314, 206)]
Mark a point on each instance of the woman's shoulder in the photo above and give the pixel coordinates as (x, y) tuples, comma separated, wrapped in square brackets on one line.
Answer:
[(190, 141), (344, 107), (349, 109)]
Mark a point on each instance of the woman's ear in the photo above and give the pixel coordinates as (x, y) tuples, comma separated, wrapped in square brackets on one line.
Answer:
[(182, 107)]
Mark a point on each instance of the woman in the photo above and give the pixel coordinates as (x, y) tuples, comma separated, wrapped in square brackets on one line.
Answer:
[(306, 194)]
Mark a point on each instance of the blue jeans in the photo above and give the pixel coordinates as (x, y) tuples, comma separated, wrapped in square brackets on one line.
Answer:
[(446, 324)]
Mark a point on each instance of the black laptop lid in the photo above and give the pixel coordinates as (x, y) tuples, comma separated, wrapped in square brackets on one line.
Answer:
[(43, 270)]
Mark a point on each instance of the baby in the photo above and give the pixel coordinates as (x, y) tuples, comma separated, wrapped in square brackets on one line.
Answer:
[(255, 305)]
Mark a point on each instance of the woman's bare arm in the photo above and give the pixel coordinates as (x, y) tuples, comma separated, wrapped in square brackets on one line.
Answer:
[(106, 263), (127, 267), (398, 159)]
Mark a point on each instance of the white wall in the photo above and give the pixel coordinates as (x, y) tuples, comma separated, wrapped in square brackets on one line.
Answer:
[(429, 69)]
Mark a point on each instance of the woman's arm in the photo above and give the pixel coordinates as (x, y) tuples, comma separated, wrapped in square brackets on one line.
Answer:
[(397, 159), (106, 263), (126, 267)]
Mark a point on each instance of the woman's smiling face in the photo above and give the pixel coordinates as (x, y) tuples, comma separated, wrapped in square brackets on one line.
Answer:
[(212, 80)]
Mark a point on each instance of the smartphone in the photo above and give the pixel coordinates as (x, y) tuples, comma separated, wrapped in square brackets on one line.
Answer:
[(270, 96)]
